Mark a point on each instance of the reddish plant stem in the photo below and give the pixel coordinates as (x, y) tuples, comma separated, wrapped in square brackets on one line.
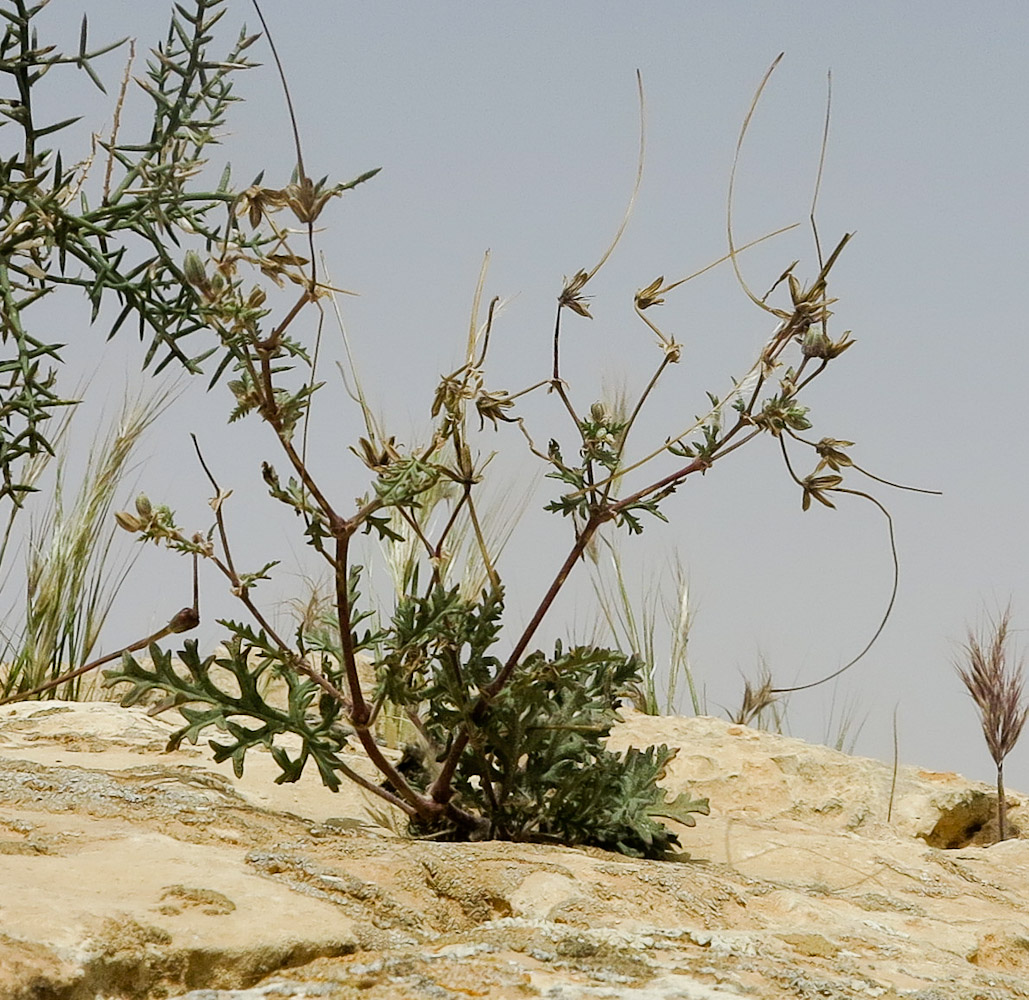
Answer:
[(556, 383), (277, 333), (300, 467), (624, 437), (697, 465), (597, 518), (171, 627), (359, 711), (270, 408), (382, 793), (228, 569), (358, 706), (440, 790)]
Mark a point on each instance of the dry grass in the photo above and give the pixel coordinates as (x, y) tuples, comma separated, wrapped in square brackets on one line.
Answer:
[(757, 699), (995, 680), (630, 617), (70, 580)]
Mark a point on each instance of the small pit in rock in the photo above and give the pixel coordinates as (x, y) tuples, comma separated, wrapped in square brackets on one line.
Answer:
[(972, 822)]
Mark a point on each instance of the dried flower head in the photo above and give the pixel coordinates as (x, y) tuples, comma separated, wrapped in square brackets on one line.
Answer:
[(996, 684)]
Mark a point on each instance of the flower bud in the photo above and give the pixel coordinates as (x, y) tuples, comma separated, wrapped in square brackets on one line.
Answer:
[(193, 269), (816, 344)]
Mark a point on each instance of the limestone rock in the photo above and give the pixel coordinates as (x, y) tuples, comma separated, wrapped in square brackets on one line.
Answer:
[(759, 776), (127, 872)]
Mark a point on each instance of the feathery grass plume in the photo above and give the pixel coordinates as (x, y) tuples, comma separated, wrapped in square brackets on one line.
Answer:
[(70, 581), (680, 620), (756, 700), (631, 628), (459, 562), (996, 683), (630, 616), (32, 469)]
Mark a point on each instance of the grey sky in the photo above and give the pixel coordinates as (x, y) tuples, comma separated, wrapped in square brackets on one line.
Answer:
[(514, 127)]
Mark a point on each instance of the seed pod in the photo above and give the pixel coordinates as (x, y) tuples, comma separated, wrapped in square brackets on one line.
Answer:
[(128, 521)]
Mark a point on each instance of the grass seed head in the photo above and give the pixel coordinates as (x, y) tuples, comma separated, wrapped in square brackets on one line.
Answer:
[(996, 684)]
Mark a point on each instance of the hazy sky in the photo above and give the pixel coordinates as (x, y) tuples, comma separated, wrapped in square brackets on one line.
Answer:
[(514, 127)]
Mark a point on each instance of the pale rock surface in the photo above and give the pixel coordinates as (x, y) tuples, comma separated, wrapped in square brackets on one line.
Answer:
[(127, 872)]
